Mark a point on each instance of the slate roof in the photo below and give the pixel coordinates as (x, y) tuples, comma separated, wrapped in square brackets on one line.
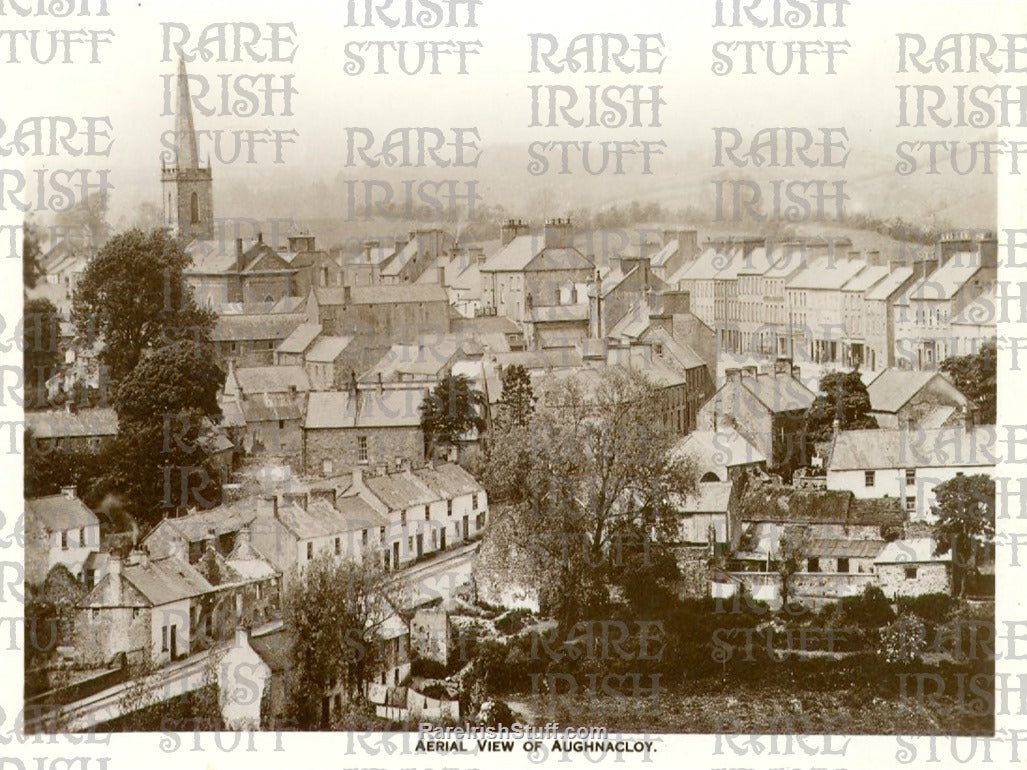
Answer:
[(399, 408), (893, 388), (866, 278), (559, 259), (55, 513), (166, 580), (64, 424), (300, 339), (400, 490), (197, 526), (826, 273), (271, 379), (889, 284), (912, 551), (382, 295), (319, 520), (326, 349), (712, 497), (778, 393), (951, 446), (944, 282), (515, 256), (559, 313), (448, 480), (723, 447)]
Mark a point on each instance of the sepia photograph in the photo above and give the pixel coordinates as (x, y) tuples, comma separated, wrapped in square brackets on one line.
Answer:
[(450, 382)]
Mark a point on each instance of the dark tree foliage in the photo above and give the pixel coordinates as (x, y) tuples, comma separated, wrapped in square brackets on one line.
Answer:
[(518, 403), (47, 469), (965, 510), (451, 410), (158, 461), (133, 297), (842, 397), (976, 376), (31, 253), (40, 339)]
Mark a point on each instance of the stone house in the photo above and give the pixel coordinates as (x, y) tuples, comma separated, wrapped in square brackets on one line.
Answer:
[(767, 409), (272, 400), (345, 429), (59, 529), (911, 568), (250, 339), (924, 399), (252, 272), (83, 430)]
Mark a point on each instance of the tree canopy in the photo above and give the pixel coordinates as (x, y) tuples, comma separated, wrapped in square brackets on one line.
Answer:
[(592, 470), (965, 511), (842, 397), (518, 402), (133, 296), (335, 612), (451, 410), (40, 338), (976, 376)]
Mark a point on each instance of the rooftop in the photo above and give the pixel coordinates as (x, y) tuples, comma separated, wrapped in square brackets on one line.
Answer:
[(64, 424), (300, 339), (367, 408), (56, 513), (948, 447)]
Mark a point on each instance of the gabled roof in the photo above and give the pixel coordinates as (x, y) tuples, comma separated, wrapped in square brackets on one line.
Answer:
[(262, 326), (321, 519), (399, 408), (893, 388), (827, 273), (56, 513), (866, 278), (949, 447), (64, 424), (327, 348), (726, 447), (515, 256), (165, 580), (400, 490), (300, 339), (890, 284), (198, 526), (778, 393), (448, 480), (400, 259), (428, 359), (948, 279), (559, 259), (785, 504), (271, 379)]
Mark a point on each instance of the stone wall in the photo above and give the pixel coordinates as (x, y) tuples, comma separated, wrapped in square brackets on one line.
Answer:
[(340, 446), (930, 578)]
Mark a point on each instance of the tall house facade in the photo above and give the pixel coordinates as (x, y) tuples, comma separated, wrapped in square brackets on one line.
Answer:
[(187, 188)]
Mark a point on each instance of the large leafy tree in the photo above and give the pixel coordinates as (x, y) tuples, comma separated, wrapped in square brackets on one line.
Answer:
[(134, 298), (842, 397), (450, 411), (976, 375), (31, 253), (965, 511), (591, 468), (792, 550), (41, 337), (158, 460), (335, 611)]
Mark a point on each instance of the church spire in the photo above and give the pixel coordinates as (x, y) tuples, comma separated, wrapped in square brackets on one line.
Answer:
[(185, 133)]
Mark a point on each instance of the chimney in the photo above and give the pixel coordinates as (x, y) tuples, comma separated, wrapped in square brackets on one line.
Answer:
[(239, 264), (558, 234), (242, 636), (688, 242), (144, 558), (404, 465), (358, 478), (733, 373), (442, 275), (796, 372), (69, 492), (836, 426), (114, 583), (178, 549), (260, 237), (750, 371), (510, 230), (369, 246), (352, 383), (783, 366)]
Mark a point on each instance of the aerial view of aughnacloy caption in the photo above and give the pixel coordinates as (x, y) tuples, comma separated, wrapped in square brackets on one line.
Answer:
[(494, 381)]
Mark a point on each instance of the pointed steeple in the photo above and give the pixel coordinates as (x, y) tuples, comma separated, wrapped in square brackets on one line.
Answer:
[(185, 133)]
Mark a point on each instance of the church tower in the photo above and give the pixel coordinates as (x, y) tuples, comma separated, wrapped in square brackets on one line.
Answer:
[(187, 188)]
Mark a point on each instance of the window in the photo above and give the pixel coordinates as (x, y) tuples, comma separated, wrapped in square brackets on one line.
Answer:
[(869, 478), (427, 517), (479, 521), (449, 507), (281, 425), (403, 518), (90, 578), (410, 544), (194, 208), (95, 614), (843, 565), (365, 537), (338, 546), (326, 467), (813, 565), (64, 540), (911, 503), (362, 449), (164, 638), (381, 534), (82, 536), (474, 501), (310, 551), (910, 573), (910, 476)]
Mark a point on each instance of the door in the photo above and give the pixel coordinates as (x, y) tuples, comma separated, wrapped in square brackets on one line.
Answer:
[(465, 527), (174, 642), (442, 539), (420, 545), (395, 555)]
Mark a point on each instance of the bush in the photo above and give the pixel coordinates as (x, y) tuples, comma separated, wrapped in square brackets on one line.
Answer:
[(934, 608), (871, 609), (904, 640), (495, 713), (428, 669), (514, 621)]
